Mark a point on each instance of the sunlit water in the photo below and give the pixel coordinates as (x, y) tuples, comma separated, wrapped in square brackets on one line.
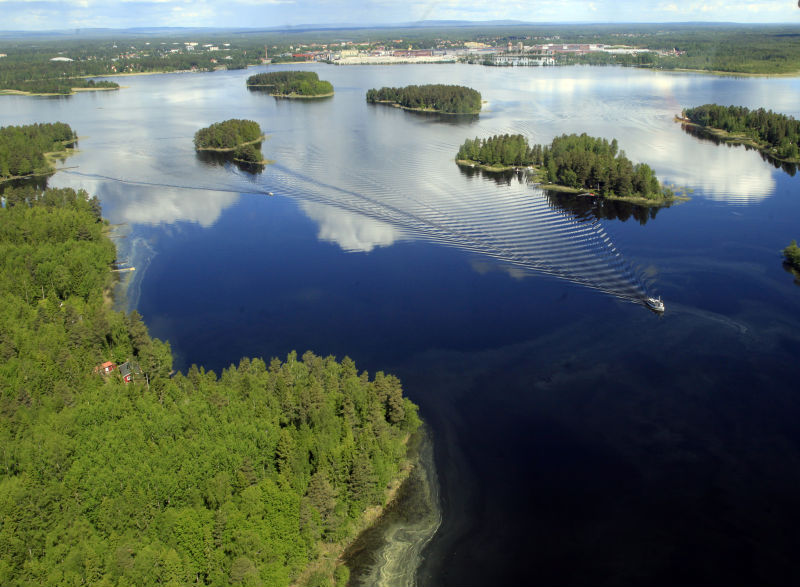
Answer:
[(579, 440)]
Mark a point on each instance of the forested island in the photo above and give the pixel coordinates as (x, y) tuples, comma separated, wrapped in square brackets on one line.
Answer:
[(775, 134), (292, 84), (240, 137), (573, 163), (791, 255), (31, 149), (446, 99), (257, 475)]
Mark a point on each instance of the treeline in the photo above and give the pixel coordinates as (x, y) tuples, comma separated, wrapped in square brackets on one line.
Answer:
[(95, 84), (288, 83), (31, 70), (58, 86), (23, 148), (200, 478), (575, 161), (437, 97), (780, 132), (733, 48), (228, 134), (498, 151)]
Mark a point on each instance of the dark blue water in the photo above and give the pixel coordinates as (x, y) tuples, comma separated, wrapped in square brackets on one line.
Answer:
[(580, 439)]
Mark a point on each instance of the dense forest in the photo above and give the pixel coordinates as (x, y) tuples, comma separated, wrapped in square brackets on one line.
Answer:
[(791, 255), (23, 148), (777, 133), (228, 135), (436, 97), (574, 161), (291, 83), (199, 478), (499, 151)]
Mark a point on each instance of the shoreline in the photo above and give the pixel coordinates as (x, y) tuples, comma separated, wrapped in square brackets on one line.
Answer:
[(262, 162), (555, 187), (300, 96), (72, 92), (49, 157), (389, 552), (230, 149), (290, 96), (333, 555), (735, 139), (720, 73), (633, 200), (426, 110), (133, 73), (493, 168)]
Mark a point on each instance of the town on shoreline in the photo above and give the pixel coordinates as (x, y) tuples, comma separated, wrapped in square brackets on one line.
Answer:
[(63, 65)]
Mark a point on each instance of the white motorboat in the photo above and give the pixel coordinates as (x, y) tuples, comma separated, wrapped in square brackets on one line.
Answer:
[(654, 304)]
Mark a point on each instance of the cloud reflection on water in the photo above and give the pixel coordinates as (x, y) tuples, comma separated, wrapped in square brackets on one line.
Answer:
[(352, 232), (164, 205), (723, 173)]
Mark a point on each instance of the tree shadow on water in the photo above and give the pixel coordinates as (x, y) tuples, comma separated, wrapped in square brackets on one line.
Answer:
[(224, 158), (706, 135)]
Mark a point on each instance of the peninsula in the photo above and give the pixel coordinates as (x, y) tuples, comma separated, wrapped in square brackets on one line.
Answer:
[(292, 84), (33, 148), (775, 134), (571, 163), (445, 99), (259, 474), (55, 87), (237, 136)]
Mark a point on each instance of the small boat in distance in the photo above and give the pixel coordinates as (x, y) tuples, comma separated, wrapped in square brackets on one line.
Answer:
[(654, 304)]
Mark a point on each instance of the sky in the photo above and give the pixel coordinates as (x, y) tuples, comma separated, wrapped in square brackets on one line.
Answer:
[(71, 14)]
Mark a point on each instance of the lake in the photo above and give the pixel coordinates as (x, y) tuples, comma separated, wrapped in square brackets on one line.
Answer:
[(579, 438)]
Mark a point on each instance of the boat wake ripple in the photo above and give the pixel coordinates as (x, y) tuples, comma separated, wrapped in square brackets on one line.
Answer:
[(515, 224)]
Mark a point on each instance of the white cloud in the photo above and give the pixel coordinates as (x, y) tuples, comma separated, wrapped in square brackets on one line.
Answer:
[(262, 2), (764, 7), (61, 14)]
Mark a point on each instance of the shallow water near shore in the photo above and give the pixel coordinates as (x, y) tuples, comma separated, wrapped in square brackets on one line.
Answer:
[(578, 438), (389, 553)]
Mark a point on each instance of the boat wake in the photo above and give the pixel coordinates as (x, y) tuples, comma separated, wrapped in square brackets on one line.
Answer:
[(515, 224)]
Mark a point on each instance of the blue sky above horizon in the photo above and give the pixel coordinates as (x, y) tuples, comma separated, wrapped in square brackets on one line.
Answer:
[(69, 14)]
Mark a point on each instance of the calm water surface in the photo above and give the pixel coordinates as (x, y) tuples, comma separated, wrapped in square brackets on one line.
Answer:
[(580, 439)]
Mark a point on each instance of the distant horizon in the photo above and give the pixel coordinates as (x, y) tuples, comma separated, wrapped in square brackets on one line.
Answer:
[(68, 15), (322, 27)]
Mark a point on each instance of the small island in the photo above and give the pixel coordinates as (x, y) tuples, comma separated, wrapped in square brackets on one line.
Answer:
[(292, 84), (32, 149), (571, 163), (444, 99), (775, 134), (240, 137), (791, 255)]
